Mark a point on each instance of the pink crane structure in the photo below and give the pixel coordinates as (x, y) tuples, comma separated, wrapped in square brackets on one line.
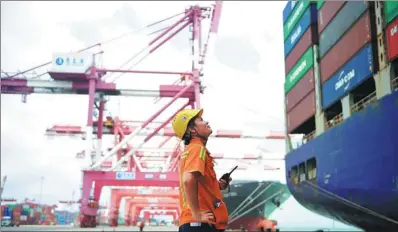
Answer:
[(82, 76), (76, 73)]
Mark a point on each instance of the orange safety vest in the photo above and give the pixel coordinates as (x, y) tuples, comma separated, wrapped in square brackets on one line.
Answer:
[(196, 158)]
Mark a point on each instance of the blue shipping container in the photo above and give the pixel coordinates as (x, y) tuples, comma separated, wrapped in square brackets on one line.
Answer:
[(344, 19), (7, 212), (288, 10), (309, 17), (356, 70), (64, 217)]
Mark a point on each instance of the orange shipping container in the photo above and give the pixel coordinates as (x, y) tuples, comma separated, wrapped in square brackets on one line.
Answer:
[(304, 110)]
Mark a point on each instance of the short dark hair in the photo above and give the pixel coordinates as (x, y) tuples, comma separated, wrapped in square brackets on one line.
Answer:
[(187, 136)]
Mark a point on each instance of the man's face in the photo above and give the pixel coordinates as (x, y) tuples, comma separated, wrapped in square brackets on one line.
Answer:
[(202, 127)]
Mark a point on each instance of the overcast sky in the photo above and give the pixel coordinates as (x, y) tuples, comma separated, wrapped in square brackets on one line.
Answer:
[(244, 75)]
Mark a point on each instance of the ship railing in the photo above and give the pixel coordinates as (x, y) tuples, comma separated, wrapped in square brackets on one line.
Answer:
[(334, 121), (309, 137), (302, 177), (394, 84), (364, 102)]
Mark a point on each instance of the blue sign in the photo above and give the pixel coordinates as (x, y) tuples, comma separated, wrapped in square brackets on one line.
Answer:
[(144, 191), (288, 10), (125, 175), (356, 70), (69, 61), (309, 17), (95, 113), (59, 61)]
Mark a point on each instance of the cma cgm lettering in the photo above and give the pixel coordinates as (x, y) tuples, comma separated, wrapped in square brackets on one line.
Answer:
[(343, 20), (356, 70), (309, 17), (299, 70), (288, 10), (294, 18), (392, 39)]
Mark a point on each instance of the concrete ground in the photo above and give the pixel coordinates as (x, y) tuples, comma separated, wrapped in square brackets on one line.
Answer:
[(99, 228)]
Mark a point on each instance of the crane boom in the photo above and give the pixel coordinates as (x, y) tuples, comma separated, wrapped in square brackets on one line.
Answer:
[(3, 183)]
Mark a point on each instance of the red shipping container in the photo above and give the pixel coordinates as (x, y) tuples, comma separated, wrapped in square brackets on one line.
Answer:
[(17, 209), (302, 112), (392, 39), (309, 37), (327, 13), (355, 38), (302, 88)]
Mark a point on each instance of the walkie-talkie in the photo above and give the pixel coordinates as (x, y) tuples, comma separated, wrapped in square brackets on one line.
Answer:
[(226, 177)]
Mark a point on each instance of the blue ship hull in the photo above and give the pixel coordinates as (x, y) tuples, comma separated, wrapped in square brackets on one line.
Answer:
[(357, 169)]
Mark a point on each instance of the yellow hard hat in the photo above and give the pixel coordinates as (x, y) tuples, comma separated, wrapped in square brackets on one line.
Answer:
[(182, 118)]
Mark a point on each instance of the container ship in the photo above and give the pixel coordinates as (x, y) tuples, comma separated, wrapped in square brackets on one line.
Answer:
[(248, 201), (341, 94)]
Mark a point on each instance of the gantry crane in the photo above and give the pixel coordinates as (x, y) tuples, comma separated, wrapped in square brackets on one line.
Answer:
[(83, 76), (122, 128), (78, 73)]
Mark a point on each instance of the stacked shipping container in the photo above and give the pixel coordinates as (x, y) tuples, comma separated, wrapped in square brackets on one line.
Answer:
[(346, 53), (391, 20), (345, 49), (65, 217), (28, 213), (13, 211), (300, 34)]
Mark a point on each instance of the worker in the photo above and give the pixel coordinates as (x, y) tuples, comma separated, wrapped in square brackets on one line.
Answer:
[(202, 207), (242, 228), (142, 224), (264, 225), (261, 225)]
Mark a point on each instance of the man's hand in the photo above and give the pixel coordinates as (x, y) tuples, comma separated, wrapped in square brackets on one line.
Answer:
[(204, 216), (223, 184)]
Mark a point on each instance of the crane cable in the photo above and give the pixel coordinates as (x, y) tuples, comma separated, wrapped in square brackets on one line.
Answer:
[(5, 73), (136, 55), (98, 44), (141, 29), (141, 51)]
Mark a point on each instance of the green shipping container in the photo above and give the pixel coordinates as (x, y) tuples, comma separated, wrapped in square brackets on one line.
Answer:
[(390, 10), (294, 17), (11, 207), (299, 69), (319, 4), (26, 210)]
